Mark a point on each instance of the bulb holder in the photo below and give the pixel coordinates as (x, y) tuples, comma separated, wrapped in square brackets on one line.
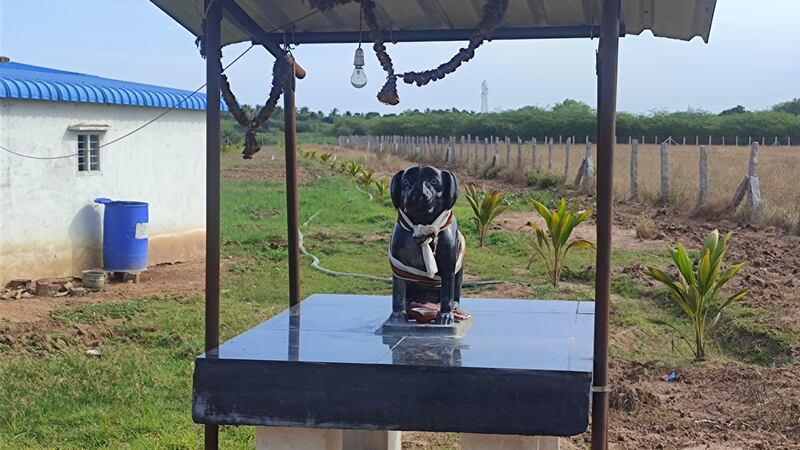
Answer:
[(358, 59)]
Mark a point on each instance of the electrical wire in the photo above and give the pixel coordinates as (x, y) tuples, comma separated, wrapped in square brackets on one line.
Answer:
[(170, 109)]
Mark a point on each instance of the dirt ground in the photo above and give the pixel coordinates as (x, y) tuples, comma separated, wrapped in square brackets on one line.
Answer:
[(716, 406)]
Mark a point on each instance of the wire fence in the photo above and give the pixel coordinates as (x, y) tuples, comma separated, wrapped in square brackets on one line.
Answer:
[(754, 182)]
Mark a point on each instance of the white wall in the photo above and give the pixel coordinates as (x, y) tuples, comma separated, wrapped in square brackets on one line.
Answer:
[(49, 225)]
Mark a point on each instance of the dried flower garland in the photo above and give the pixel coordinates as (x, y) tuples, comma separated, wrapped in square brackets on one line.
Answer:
[(281, 71), (493, 13)]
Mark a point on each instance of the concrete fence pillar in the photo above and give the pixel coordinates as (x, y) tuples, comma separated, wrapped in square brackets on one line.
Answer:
[(534, 164), (634, 194), (519, 153), (469, 148), (664, 172), (508, 152), (449, 156), (750, 187), (584, 180), (752, 166), (550, 156), (496, 158), (702, 196), (566, 160)]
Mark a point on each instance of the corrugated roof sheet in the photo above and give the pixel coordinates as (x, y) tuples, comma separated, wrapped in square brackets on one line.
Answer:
[(23, 81), (676, 19)]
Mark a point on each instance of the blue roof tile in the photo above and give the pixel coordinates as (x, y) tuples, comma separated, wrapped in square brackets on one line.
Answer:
[(26, 82)]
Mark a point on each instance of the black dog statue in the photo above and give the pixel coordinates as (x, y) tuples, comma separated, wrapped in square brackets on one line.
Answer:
[(427, 250)]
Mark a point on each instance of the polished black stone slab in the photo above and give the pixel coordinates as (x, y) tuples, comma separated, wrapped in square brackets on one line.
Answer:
[(522, 367)]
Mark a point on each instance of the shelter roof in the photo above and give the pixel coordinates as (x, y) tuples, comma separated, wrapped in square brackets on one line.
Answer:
[(676, 19)]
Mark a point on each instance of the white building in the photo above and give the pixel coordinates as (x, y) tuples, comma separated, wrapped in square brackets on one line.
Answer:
[(49, 224)]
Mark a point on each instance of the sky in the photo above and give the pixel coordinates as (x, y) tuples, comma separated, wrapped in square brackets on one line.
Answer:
[(752, 59)]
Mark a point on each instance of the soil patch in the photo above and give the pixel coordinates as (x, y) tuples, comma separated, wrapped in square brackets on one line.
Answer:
[(160, 280)]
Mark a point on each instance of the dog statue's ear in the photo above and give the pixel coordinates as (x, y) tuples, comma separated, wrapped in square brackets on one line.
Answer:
[(450, 194), (396, 189)]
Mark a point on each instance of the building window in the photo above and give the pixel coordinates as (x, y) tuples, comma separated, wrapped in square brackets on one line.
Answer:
[(88, 152)]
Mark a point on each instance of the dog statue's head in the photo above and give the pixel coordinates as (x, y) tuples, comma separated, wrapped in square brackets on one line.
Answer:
[(424, 192)]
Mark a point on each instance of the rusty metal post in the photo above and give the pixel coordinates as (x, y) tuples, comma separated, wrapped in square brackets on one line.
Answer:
[(292, 213), (213, 152), (607, 57)]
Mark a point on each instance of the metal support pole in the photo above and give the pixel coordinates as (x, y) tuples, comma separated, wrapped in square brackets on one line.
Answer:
[(213, 152), (607, 57), (292, 213)]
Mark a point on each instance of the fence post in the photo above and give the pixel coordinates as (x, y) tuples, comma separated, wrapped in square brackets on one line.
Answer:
[(585, 178), (702, 197), (664, 172), (736, 141), (508, 151), (566, 160), (496, 156), (634, 170), (684, 140), (469, 146), (723, 140), (750, 186), (550, 156), (519, 153), (485, 149), (533, 154), (448, 156)]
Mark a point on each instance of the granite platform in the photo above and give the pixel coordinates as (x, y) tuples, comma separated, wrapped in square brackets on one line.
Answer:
[(524, 367)]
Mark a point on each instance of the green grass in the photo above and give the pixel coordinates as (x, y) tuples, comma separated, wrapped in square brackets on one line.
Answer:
[(138, 393)]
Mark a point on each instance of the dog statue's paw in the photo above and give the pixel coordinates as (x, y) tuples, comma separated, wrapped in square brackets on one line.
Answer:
[(398, 317), (444, 318)]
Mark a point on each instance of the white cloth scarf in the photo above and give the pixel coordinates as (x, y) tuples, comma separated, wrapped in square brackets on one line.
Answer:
[(428, 232)]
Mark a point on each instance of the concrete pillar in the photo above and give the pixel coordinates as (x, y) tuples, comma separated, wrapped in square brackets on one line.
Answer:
[(702, 197), (634, 194), (471, 441), (292, 438), (371, 440), (288, 438)]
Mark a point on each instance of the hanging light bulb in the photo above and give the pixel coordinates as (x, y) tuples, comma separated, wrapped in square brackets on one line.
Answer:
[(359, 78)]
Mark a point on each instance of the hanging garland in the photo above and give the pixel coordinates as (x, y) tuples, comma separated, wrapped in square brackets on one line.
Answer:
[(281, 70), (493, 13)]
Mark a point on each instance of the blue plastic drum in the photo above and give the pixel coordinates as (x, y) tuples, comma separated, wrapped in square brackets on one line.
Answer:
[(125, 235)]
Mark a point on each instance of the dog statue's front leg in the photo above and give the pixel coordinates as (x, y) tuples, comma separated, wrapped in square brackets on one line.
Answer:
[(398, 300), (445, 316)]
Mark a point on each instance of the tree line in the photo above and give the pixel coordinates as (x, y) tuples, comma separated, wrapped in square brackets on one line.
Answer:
[(567, 118)]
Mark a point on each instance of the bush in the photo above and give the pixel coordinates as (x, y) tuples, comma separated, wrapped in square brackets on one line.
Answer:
[(536, 178), (646, 229)]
